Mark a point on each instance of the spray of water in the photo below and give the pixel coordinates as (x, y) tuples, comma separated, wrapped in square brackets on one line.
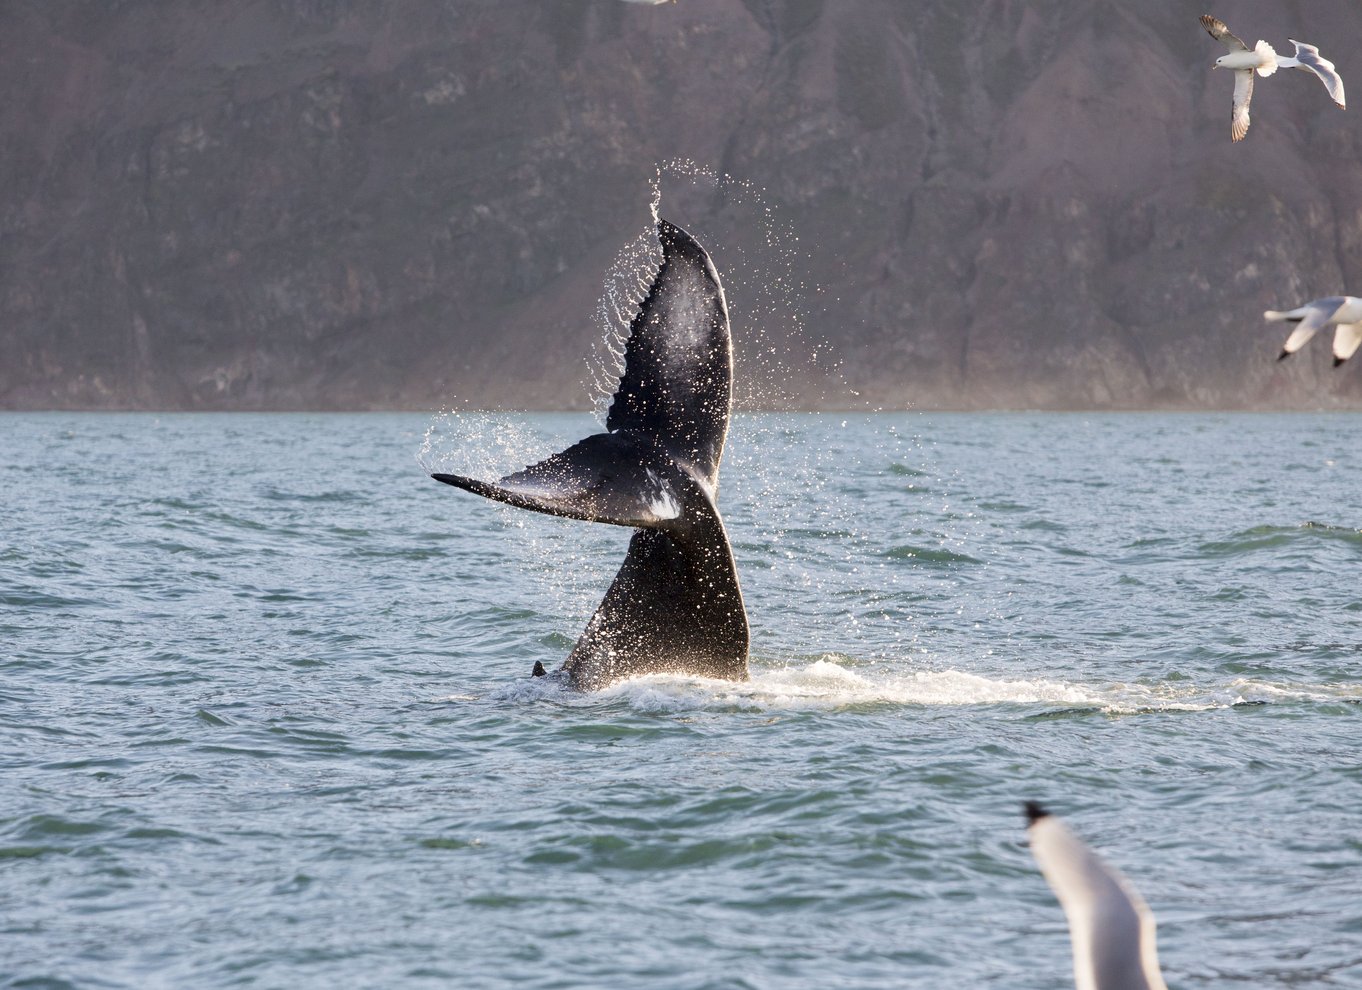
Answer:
[(790, 525), (626, 286)]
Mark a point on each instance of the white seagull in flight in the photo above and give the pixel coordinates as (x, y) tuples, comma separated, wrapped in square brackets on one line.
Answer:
[(1344, 312), (1111, 928), (1264, 61)]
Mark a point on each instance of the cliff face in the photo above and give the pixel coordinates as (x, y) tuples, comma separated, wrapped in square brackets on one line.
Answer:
[(345, 204)]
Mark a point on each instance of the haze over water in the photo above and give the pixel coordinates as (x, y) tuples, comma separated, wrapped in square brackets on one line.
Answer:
[(265, 717)]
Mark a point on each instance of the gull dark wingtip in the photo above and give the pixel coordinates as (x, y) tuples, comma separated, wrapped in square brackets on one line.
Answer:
[(1283, 355), (1034, 812)]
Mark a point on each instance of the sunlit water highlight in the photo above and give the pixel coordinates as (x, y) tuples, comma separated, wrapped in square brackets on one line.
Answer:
[(266, 718)]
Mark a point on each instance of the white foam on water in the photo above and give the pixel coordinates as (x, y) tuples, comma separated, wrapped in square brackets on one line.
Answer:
[(827, 684)]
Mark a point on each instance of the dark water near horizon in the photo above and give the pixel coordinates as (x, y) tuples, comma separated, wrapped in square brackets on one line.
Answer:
[(264, 718)]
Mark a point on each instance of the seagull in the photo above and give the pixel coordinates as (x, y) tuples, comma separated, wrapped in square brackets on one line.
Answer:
[(1111, 928), (1264, 61), (1344, 312)]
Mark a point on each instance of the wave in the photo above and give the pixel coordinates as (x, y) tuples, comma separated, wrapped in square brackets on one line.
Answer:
[(929, 555), (1259, 538)]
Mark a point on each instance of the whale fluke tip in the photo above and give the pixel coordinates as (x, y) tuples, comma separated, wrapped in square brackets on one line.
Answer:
[(539, 670)]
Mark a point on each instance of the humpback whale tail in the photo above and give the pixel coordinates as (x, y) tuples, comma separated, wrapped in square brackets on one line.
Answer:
[(675, 605)]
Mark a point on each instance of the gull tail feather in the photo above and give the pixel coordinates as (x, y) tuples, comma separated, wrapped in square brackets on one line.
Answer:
[(1269, 57)]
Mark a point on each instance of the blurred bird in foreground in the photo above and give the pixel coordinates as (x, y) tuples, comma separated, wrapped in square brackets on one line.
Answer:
[(1111, 928)]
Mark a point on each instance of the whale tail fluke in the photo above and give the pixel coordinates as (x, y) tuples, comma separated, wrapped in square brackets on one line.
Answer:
[(605, 478), (674, 607), (677, 384), (672, 405), (675, 604)]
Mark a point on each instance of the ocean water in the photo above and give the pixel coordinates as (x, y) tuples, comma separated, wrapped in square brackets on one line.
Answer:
[(265, 718)]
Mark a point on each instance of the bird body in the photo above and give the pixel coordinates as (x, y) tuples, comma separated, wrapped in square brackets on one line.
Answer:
[(1264, 60), (1343, 312)]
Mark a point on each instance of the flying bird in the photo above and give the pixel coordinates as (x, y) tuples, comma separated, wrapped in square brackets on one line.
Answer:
[(1111, 928), (1343, 312), (1264, 61)]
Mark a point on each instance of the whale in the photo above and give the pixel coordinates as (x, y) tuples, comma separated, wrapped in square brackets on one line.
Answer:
[(675, 606)]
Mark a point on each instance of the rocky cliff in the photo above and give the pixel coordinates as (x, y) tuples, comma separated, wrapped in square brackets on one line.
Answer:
[(346, 204)]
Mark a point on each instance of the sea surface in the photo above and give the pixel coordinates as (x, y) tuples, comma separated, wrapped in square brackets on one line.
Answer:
[(266, 719)]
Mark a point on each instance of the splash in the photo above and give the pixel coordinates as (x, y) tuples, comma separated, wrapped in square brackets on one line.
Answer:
[(771, 295), (779, 365), (480, 444), (626, 286), (791, 523), (830, 684), (833, 683), (758, 255)]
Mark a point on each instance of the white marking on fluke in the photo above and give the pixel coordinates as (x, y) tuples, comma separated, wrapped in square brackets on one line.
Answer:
[(663, 503)]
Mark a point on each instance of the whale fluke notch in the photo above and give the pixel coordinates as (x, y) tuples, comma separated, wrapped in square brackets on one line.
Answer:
[(675, 605)]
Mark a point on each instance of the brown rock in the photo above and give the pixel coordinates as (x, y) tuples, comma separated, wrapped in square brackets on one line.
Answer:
[(284, 204)]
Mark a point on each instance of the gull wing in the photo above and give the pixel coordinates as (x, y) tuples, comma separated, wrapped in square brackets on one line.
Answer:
[(1217, 30), (1346, 340), (1308, 57), (1318, 314), (1111, 928), (1243, 93)]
